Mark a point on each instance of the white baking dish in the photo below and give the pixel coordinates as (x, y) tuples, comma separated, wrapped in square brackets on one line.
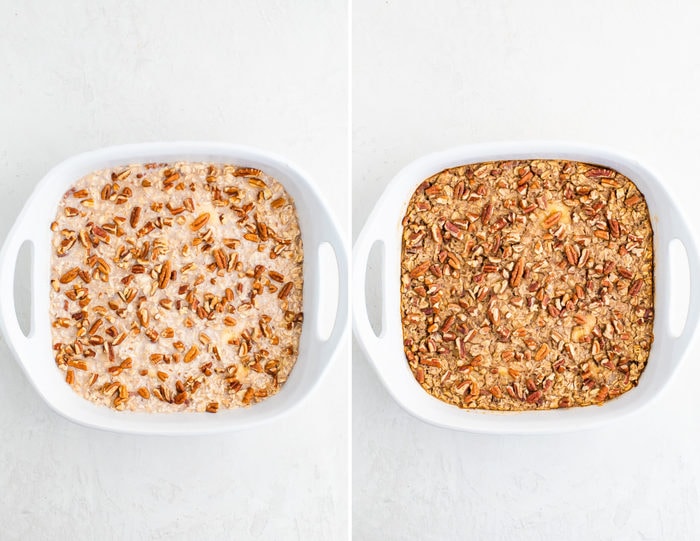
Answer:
[(34, 351), (386, 350)]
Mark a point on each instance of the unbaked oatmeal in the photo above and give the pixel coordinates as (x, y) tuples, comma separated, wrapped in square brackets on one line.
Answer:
[(176, 287), (527, 285)]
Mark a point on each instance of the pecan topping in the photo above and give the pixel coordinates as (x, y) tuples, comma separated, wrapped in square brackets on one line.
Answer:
[(176, 287), (527, 285)]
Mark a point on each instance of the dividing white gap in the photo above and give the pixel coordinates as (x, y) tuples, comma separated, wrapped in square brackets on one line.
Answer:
[(680, 287), (329, 290), (373, 287), (22, 289)]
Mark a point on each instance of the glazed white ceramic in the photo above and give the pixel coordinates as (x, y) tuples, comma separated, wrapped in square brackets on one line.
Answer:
[(34, 351), (385, 352)]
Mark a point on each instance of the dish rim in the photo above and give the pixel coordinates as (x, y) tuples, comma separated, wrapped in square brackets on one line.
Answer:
[(318, 227), (383, 228)]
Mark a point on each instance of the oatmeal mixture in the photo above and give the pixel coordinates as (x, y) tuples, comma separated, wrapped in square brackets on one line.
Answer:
[(176, 287), (527, 285)]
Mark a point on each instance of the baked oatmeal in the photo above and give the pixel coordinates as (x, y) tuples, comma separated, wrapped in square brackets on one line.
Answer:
[(176, 287), (527, 285)]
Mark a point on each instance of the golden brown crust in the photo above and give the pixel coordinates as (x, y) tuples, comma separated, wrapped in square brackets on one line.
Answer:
[(527, 285)]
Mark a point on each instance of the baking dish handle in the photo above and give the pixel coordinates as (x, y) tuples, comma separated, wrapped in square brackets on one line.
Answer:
[(370, 343), (18, 235), (332, 237), (682, 232)]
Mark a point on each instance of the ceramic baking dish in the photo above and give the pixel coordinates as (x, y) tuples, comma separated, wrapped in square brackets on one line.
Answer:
[(385, 351), (34, 352)]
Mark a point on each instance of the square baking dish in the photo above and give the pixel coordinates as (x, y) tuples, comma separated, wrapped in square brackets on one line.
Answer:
[(385, 351), (34, 351)]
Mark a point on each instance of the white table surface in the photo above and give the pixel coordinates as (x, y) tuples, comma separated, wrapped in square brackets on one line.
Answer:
[(430, 75), (81, 75)]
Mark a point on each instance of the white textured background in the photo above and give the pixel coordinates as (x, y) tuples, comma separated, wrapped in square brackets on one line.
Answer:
[(430, 75), (80, 75)]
